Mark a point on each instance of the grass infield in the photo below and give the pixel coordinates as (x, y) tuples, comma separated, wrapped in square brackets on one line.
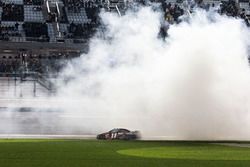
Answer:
[(78, 153)]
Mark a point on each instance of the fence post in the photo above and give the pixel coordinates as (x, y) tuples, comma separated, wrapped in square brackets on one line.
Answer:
[(35, 80), (15, 83)]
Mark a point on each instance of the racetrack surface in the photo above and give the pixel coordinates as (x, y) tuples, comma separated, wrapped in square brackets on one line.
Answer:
[(237, 144), (39, 136)]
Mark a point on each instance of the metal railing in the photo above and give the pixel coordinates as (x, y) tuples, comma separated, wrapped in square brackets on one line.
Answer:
[(34, 77), (118, 10)]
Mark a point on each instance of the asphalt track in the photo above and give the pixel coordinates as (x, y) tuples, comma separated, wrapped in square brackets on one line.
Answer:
[(38, 136), (91, 137), (247, 145)]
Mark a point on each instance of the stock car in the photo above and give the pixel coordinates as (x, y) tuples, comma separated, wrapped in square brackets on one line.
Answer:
[(119, 134)]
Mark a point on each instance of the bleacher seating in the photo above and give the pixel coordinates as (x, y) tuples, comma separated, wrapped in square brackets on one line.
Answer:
[(92, 13), (78, 17), (33, 2), (38, 30), (33, 14), (30, 15), (17, 2), (12, 12), (9, 64), (51, 33), (80, 30), (64, 18), (73, 20), (246, 1)]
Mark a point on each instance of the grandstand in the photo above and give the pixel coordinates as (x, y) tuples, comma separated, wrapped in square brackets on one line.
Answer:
[(37, 37)]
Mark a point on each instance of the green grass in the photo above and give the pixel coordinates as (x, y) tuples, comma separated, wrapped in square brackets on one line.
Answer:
[(78, 153), (190, 152)]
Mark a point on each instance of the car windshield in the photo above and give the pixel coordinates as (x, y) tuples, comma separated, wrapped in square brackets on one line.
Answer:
[(113, 131)]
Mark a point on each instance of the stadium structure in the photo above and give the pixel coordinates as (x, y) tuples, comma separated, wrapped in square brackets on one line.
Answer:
[(37, 37)]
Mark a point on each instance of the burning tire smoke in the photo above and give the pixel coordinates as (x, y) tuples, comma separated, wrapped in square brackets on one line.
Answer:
[(193, 86)]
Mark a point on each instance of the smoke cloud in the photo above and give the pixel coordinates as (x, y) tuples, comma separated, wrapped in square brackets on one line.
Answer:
[(195, 85)]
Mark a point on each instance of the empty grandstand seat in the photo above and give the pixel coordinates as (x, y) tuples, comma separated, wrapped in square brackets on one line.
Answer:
[(38, 31), (12, 12), (244, 1), (92, 13), (33, 2)]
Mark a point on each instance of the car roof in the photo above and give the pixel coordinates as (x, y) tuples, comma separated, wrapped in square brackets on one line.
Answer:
[(119, 129)]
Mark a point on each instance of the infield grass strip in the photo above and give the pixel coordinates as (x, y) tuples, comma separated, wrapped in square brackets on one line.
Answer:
[(93, 153), (210, 152)]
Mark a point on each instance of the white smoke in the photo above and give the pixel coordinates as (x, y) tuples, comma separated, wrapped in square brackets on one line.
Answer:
[(194, 85)]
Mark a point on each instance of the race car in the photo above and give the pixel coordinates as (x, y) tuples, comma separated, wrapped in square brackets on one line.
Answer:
[(119, 134)]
